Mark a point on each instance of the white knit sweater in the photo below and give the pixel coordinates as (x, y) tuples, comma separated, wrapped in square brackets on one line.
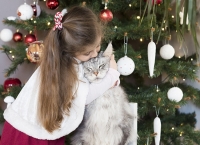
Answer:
[(22, 114)]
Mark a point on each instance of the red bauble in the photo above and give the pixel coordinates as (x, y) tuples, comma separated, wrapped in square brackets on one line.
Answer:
[(17, 37), (10, 82), (52, 4), (157, 1), (30, 38), (106, 15)]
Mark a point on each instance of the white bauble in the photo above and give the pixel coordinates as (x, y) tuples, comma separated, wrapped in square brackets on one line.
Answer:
[(175, 94), (6, 35), (157, 130), (167, 51), (151, 50), (125, 66), (25, 12)]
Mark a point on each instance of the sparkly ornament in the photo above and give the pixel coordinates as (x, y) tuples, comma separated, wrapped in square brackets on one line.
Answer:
[(125, 65), (25, 12), (10, 82), (175, 94), (52, 4), (106, 15), (167, 51), (30, 38), (36, 9), (17, 37), (6, 35), (34, 51)]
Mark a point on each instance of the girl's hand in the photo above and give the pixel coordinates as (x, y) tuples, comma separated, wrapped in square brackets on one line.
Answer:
[(113, 63)]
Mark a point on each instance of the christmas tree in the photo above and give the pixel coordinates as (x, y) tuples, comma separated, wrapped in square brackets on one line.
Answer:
[(140, 31)]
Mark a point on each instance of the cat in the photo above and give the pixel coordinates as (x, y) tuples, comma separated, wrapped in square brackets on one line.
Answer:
[(108, 120)]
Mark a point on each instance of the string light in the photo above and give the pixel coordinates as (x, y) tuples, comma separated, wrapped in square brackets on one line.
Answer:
[(179, 56), (141, 39), (163, 29), (10, 51), (130, 5), (13, 56), (48, 23), (31, 19), (172, 128), (172, 16), (138, 17), (138, 88), (183, 79), (34, 22), (191, 59)]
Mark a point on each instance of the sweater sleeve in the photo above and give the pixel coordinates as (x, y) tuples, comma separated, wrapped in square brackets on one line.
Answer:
[(97, 89)]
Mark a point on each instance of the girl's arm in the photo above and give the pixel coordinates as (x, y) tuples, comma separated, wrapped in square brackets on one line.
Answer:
[(97, 89)]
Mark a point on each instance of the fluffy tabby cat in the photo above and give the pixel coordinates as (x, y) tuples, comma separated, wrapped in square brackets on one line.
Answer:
[(108, 120)]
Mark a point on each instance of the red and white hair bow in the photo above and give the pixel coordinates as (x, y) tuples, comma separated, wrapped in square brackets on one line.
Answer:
[(58, 18)]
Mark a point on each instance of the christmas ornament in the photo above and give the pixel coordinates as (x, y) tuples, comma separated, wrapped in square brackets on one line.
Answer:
[(25, 12), (181, 15), (106, 15), (157, 128), (6, 35), (34, 51), (151, 50), (36, 9), (52, 4), (175, 94), (10, 82), (30, 38), (167, 51), (17, 37), (9, 100), (153, 1), (125, 65)]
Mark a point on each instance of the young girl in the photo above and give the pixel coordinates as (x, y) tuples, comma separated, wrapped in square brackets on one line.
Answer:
[(51, 104)]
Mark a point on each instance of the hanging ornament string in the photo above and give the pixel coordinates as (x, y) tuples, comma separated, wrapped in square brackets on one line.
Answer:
[(157, 111), (152, 30), (125, 43)]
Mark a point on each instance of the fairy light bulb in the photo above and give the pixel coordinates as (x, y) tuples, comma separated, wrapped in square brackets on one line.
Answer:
[(138, 88), (172, 16), (130, 5), (138, 17), (141, 39), (48, 23), (10, 51), (13, 56)]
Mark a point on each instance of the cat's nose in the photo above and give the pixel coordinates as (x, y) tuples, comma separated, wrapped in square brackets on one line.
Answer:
[(96, 73)]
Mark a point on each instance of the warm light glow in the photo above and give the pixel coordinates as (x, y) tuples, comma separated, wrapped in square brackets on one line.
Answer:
[(30, 32), (183, 79), (191, 59), (31, 19), (115, 27), (167, 109), (138, 17), (141, 39), (179, 56), (10, 51), (172, 128), (138, 88), (130, 5), (193, 70), (34, 22), (172, 16), (48, 23), (163, 29), (13, 56)]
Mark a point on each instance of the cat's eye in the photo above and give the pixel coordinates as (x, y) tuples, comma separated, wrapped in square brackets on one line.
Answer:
[(101, 66), (89, 69)]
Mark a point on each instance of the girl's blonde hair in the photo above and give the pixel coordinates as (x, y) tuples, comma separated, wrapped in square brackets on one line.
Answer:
[(81, 28)]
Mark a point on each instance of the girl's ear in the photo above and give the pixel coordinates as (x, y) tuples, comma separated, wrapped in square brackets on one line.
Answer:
[(109, 50)]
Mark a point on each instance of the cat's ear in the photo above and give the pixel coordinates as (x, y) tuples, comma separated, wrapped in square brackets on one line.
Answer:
[(109, 50)]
